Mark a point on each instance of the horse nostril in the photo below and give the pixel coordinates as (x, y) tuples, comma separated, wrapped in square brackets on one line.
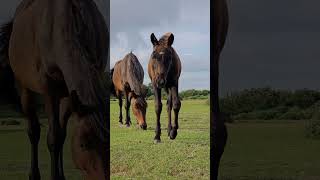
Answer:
[(143, 126)]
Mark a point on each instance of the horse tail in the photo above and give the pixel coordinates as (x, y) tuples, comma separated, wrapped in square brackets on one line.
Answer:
[(112, 88), (5, 34), (135, 74), (9, 91)]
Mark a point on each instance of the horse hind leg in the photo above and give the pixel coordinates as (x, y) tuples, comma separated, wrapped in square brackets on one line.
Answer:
[(29, 109), (128, 121), (120, 106), (176, 103), (158, 109), (169, 109)]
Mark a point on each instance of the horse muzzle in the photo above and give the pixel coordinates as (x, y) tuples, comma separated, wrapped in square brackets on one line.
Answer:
[(143, 126)]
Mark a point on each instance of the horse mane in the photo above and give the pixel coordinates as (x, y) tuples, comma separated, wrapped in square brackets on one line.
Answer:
[(90, 46), (86, 17), (141, 102), (133, 73)]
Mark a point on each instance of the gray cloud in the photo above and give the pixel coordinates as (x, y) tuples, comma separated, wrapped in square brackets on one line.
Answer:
[(272, 43), (133, 22)]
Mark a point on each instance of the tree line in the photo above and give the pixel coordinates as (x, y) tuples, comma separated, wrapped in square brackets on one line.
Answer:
[(268, 103)]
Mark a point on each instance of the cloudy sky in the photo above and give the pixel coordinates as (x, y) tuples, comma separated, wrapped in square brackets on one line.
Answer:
[(132, 22), (272, 43)]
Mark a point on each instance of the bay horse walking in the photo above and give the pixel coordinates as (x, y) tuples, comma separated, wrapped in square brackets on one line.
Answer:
[(127, 78), (219, 131), (59, 49), (164, 70)]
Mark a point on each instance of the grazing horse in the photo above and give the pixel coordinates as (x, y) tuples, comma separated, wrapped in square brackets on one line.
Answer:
[(127, 78), (219, 131), (164, 70), (59, 49)]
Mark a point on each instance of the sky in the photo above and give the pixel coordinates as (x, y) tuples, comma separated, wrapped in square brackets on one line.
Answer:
[(132, 22), (272, 43)]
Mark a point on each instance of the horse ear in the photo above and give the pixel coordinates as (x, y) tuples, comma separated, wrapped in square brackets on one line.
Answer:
[(170, 40), (154, 40)]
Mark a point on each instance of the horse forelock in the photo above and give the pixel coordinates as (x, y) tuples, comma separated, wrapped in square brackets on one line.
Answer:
[(164, 39)]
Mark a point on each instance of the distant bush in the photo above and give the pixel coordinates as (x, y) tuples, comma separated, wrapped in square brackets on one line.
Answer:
[(184, 95), (10, 122), (312, 129), (267, 103)]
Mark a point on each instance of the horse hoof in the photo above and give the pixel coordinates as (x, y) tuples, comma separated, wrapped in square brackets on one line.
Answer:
[(156, 141), (127, 125), (169, 130), (173, 134)]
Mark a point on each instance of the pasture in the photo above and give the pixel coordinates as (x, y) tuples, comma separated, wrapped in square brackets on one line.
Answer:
[(270, 150), (15, 152), (134, 154)]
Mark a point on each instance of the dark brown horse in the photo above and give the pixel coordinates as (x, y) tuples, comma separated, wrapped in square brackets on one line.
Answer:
[(164, 70), (127, 78), (59, 49), (219, 131)]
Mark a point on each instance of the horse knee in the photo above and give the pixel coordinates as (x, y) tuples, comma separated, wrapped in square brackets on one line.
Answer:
[(176, 104), (127, 105), (169, 105), (158, 107), (52, 140), (34, 133)]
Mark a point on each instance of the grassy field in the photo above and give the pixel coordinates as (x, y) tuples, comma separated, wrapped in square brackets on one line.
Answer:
[(270, 150), (15, 153), (134, 154), (256, 150)]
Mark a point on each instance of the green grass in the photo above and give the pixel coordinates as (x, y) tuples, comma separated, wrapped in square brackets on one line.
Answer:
[(270, 150), (134, 154), (15, 154)]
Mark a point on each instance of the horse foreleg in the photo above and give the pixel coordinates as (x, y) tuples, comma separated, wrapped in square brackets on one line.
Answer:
[(169, 109), (52, 106), (176, 103), (158, 108), (29, 109), (120, 106), (65, 113), (128, 121)]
